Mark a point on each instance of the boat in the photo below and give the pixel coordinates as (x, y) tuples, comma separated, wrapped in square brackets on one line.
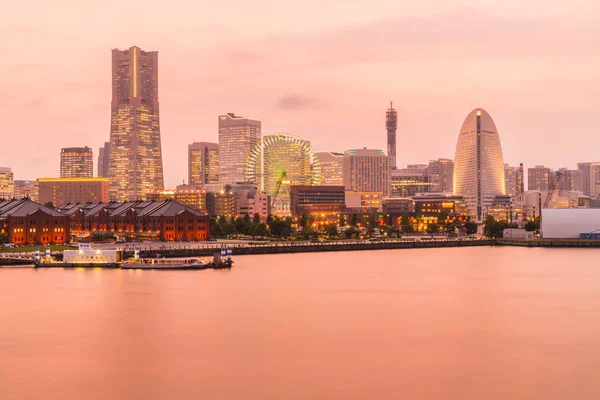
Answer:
[(172, 264), (85, 257)]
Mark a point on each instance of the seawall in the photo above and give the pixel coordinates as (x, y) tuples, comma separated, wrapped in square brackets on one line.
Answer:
[(286, 248)]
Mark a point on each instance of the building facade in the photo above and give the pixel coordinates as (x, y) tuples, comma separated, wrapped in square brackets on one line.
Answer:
[(407, 182), (441, 175), (590, 178), (478, 163), (139, 220), (76, 162), (29, 223), (135, 165), (570, 180), (367, 170), (222, 204), (7, 185), (332, 168), (310, 200), (103, 156), (203, 163), (61, 191), (237, 137), (27, 189), (391, 125), (190, 196), (539, 178), (513, 178)]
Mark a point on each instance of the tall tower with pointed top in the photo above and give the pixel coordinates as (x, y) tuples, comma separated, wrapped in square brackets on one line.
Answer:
[(391, 124), (135, 158)]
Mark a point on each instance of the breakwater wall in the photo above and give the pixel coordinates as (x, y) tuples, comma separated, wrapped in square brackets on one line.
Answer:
[(548, 243), (286, 248)]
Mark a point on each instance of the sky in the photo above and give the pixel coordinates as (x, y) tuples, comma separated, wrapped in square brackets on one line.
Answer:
[(324, 71)]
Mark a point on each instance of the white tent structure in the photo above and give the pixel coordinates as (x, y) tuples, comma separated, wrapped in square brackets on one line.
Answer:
[(558, 223)]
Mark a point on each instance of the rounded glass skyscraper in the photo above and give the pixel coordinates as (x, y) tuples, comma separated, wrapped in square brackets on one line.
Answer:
[(478, 163)]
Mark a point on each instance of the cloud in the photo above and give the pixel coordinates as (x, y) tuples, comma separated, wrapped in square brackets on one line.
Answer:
[(24, 67), (297, 102)]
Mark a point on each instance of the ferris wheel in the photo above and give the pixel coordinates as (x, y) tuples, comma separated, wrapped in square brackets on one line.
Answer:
[(281, 160)]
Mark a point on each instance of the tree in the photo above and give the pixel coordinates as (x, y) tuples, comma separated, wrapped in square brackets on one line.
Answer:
[(351, 232), (229, 229), (442, 217), (531, 226), (492, 228), (432, 228), (261, 230), (343, 220), (252, 230), (285, 232), (354, 221), (256, 219), (49, 204), (4, 238), (303, 220), (222, 220), (332, 231), (471, 227)]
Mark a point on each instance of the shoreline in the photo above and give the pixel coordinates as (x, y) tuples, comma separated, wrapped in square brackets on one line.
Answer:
[(291, 248)]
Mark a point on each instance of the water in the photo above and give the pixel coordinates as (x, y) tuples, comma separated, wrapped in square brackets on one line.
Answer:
[(460, 323)]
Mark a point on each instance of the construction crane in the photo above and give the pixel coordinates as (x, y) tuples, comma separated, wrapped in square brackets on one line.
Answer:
[(557, 177)]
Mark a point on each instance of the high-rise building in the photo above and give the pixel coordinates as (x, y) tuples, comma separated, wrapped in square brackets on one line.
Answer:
[(332, 168), (203, 163), (61, 191), (539, 178), (590, 178), (441, 175), (407, 182), (7, 188), (367, 170), (103, 156), (237, 137), (391, 124), (478, 163), (135, 160), (76, 162), (570, 180), (513, 178), (27, 189)]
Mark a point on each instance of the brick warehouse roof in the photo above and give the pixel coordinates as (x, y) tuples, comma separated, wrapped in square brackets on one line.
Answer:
[(24, 208), (167, 208)]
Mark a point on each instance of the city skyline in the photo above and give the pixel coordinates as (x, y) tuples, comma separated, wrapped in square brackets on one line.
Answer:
[(532, 93)]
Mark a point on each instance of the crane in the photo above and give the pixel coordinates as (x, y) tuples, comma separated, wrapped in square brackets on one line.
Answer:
[(557, 177)]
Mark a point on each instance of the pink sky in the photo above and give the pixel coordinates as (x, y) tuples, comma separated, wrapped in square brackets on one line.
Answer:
[(324, 71)]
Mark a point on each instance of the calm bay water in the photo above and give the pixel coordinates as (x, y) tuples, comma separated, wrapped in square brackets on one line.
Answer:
[(460, 323)]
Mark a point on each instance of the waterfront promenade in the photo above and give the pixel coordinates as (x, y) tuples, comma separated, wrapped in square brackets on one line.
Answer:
[(208, 249)]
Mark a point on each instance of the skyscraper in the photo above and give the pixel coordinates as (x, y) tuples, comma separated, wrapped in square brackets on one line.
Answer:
[(76, 162), (367, 170), (103, 155), (539, 178), (478, 163), (590, 178), (203, 163), (135, 159), (7, 185), (391, 124), (513, 178), (332, 168), (441, 175), (237, 136), (571, 180)]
